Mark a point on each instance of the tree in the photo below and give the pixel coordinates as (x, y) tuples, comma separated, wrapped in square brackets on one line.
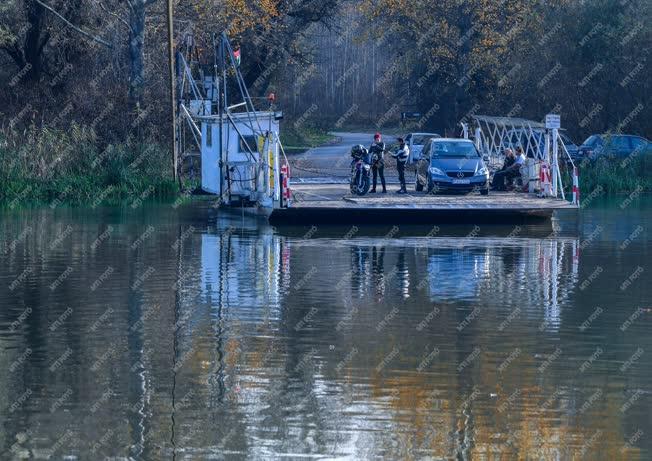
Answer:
[(25, 44), (136, 23)]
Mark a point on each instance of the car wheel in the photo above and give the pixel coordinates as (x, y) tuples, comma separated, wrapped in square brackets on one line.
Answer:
[(431, 188), (484, 191)]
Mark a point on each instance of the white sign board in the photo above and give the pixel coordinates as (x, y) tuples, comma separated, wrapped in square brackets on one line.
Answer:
[(553, 121)]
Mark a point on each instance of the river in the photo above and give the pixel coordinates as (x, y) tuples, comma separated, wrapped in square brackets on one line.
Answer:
[(167, 332)]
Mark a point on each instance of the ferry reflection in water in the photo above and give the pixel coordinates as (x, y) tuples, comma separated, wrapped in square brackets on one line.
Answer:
[(419, 347), (247, 342)]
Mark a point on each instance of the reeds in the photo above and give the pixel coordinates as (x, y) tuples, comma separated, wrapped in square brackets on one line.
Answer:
[(42, 164), (615, 175)]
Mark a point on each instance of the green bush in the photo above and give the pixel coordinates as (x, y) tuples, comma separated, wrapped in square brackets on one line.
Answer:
[(303, 137)]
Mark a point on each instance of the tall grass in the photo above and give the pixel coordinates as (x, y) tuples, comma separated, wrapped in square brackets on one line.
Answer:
[(615, 175), (72, 166), (299, 139)]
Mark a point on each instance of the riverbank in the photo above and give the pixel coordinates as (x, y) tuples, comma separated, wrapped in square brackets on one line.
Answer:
[(614, 176), (48, 166), (44, 166)]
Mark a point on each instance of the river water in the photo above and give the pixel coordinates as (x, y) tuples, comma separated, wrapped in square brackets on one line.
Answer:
[(181, 333)]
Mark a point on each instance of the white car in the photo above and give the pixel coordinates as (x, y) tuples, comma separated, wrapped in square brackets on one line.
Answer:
[(416, 141)]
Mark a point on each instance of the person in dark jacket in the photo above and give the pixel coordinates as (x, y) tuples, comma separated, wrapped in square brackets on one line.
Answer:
[(510, 159), (401, 156), (377, 150), (509, 170)]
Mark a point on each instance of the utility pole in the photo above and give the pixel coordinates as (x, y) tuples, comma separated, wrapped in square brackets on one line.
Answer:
[(221, 106), (173, 103)]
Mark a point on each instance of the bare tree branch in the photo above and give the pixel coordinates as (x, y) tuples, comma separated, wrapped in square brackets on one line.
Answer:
[(117, 16), (74, 27)]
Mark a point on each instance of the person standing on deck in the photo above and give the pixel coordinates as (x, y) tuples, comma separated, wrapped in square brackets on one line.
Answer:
[(377, 150), (401, 156)]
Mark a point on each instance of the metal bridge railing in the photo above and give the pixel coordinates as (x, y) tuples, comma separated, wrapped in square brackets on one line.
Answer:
[(493, 135)]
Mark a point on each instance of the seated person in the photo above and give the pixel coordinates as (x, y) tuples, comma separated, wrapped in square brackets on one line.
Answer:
[(521, 158), (510, 158), (510, 170)]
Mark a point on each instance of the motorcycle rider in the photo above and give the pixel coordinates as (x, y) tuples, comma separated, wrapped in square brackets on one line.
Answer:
[(401, 156), (377, 149), (359, 152)]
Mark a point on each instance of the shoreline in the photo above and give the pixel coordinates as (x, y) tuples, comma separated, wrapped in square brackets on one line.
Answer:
[(78, 172)]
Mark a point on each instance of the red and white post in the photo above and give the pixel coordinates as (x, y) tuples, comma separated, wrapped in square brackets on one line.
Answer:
[(545, 179), (576, 187), (285, 185)]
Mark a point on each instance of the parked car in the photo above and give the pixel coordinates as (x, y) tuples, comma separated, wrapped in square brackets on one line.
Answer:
[(451, 165), (416, 141), (614, 145), (530, 140)]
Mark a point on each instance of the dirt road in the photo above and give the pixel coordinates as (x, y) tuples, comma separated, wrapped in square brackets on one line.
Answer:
[(331, 163)]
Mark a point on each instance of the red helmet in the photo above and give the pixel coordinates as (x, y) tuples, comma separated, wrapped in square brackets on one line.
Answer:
[(377, 135)]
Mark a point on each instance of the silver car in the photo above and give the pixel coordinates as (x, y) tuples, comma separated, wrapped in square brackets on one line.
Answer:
[(416, 142)]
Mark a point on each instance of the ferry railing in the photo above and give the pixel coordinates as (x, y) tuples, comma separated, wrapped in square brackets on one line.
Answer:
[(493, 134)]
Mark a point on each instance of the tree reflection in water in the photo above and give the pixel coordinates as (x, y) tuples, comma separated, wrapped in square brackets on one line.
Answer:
[(250, 342)]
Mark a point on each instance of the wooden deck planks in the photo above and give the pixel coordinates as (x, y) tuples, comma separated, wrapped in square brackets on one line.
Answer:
[(338, 196)]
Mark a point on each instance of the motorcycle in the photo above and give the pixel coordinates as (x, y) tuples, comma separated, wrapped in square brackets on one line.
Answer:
[(360, 173)]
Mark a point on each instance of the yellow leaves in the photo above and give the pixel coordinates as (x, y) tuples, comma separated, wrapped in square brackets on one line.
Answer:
[(238, 16), (269, 7)]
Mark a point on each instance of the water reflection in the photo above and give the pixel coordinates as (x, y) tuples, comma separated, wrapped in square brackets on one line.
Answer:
[(234, 340)]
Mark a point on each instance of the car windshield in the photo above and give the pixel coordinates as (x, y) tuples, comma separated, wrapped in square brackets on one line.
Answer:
[(593, 141), (453, 149), (421, 139)]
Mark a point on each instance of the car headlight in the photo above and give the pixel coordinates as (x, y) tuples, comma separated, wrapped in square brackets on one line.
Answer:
[(482, 171), (435, 170)]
